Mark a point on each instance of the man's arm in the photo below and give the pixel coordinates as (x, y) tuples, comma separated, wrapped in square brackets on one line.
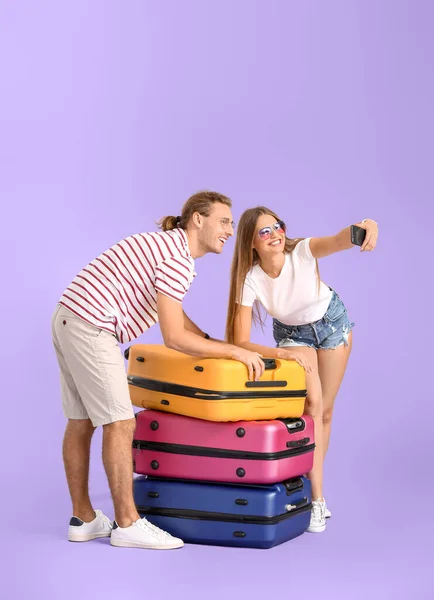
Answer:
[(178, 337), (190, 326)]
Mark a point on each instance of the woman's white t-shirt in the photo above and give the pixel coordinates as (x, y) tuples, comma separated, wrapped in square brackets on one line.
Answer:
[(292, 297)]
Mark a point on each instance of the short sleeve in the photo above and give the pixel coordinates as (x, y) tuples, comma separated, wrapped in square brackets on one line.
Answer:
[(173, 277), (303, 251), (248, 294)]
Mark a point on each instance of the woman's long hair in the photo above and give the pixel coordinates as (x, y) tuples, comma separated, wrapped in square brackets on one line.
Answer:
[(244, 258)]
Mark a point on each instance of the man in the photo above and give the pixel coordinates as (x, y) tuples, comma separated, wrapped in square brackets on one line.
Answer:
[(119, 295)]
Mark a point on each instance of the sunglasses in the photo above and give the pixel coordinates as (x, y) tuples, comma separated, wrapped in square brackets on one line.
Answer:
[(265, 232)]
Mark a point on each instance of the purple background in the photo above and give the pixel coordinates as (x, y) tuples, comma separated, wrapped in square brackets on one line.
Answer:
[(112, 114)]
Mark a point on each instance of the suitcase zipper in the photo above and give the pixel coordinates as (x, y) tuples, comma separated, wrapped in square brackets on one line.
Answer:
[(202, 515), (294, 484), (202, 394), (218, 452)]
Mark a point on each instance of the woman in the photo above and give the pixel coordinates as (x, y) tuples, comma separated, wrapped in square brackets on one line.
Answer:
[(310, 322)]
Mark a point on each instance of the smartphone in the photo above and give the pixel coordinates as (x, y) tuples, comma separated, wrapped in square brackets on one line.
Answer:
[(358, 235)]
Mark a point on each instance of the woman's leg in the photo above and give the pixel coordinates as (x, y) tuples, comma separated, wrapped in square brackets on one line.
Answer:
[(314, 408), (331, 369)]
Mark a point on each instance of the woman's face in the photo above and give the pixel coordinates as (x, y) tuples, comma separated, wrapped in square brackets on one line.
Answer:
[(269, 236)]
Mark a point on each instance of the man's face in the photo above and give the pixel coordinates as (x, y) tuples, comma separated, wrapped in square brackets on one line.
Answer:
[(216, 228)]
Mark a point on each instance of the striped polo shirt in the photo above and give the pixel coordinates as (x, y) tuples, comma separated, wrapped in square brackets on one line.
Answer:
[(117, 291)]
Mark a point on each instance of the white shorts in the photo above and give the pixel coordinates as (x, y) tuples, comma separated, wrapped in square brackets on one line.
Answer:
[(92, 371)]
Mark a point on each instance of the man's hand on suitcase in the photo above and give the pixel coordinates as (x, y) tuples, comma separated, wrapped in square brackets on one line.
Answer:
[(252, 360)]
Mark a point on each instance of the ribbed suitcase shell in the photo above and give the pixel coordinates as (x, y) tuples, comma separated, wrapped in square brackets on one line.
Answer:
[(226, 514), (213, 389), (176, 446)]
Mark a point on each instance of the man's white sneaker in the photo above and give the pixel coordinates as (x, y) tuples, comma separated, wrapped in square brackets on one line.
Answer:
[(327, 513), (317, 518), (143, 534), (82, 531)]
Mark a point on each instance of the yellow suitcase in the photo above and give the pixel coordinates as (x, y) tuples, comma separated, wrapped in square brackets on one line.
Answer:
[(213, 389)]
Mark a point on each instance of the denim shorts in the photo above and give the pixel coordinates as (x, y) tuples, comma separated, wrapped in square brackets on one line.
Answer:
[(326, 334)]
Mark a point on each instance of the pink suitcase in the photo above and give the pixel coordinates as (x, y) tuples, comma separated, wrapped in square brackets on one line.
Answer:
[(259, 452)]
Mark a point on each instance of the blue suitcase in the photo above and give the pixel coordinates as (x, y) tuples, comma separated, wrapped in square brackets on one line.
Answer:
[(253, 516)]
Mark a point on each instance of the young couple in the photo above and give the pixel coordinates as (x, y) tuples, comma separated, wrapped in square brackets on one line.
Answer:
[(143, 279)]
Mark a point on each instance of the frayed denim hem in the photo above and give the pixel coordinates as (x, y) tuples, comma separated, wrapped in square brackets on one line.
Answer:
[(291, 343), (346, 329)]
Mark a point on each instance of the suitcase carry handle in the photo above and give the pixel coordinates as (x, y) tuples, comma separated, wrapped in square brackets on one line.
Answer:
[(297, 505), (298, 443), (270, 363), (253, 384), (294, 425), (292, 485)]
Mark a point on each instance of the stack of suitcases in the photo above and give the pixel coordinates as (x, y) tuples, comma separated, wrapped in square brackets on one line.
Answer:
[(220, 460)]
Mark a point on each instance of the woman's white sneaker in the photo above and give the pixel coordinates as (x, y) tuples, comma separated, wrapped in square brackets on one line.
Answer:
[(317, 518), (143, 534), (82, 531)]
